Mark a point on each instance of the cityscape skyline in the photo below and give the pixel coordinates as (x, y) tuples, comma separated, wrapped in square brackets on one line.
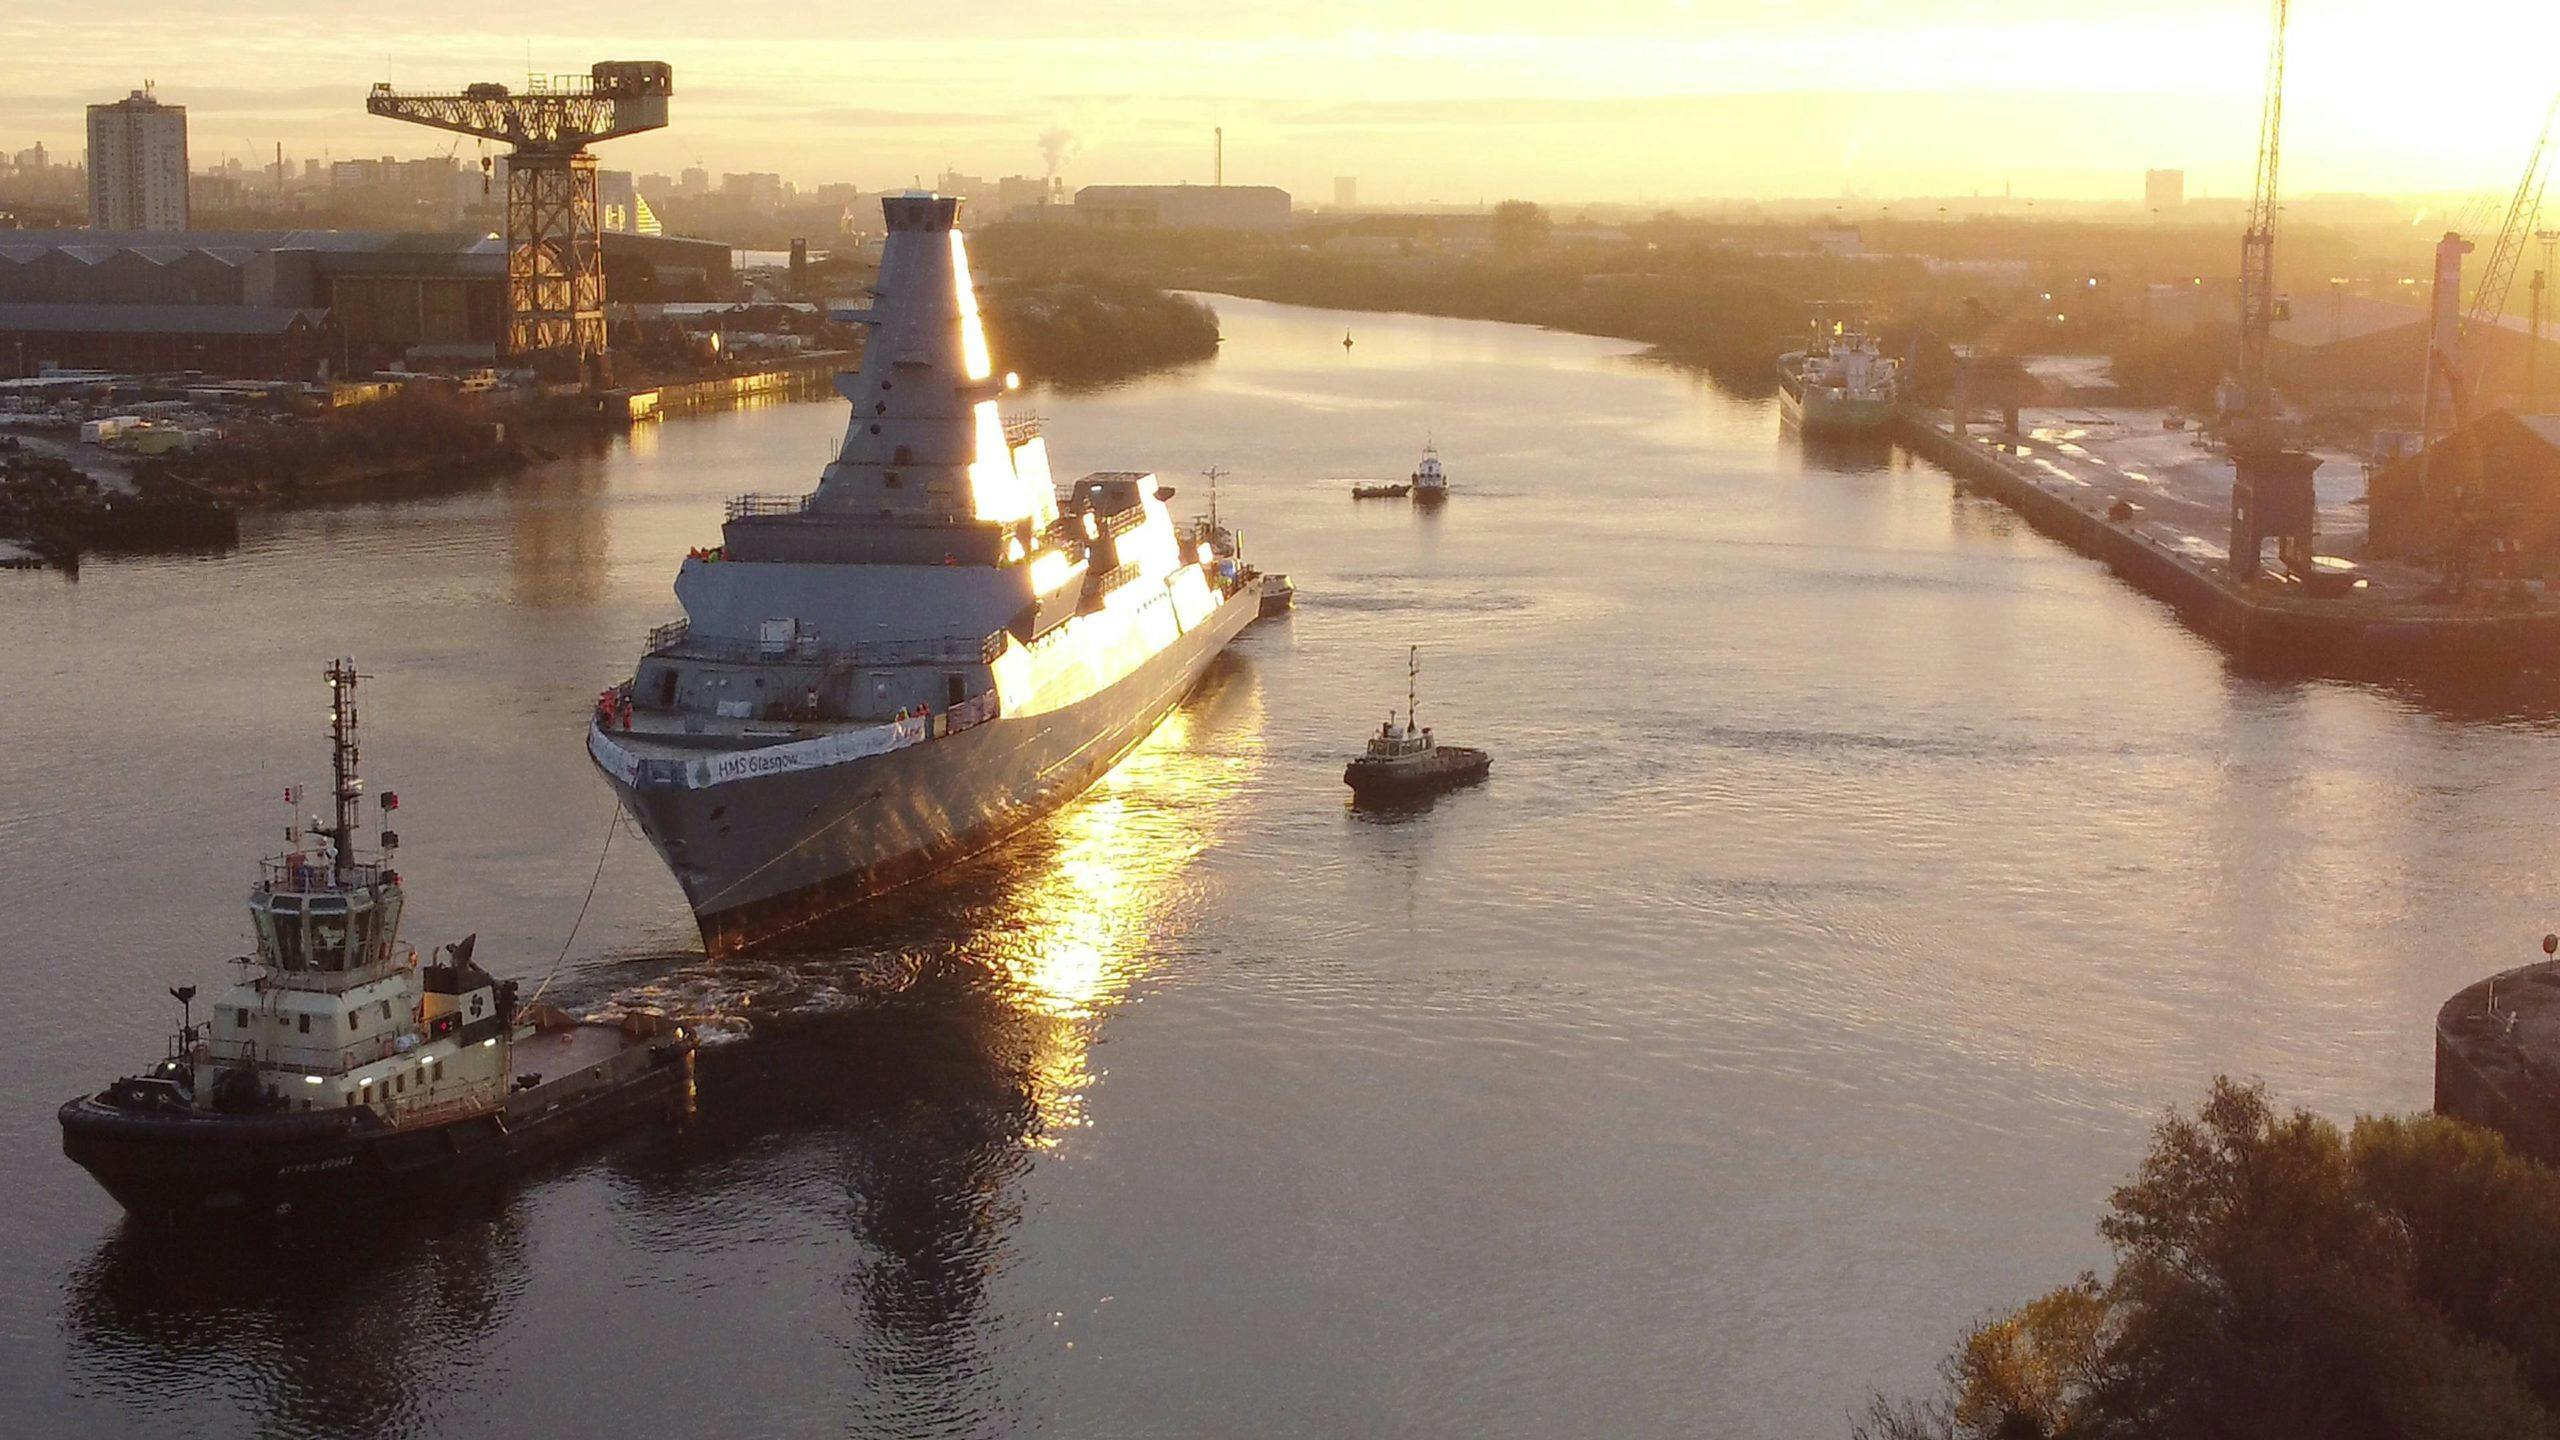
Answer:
[(1629, 103)]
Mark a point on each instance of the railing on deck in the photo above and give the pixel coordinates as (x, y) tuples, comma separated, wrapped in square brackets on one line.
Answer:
[(1114, 526), (1018, 433), (1112, 579), (677, 641), (307, 873), (741, 507), (250, 1053)]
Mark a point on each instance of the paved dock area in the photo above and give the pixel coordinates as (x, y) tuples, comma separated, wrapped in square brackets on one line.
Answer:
[(112, 470), (2178, 482)]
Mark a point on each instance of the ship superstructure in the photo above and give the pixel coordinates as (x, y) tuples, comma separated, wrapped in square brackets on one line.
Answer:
[(1430, 482), (1844, 382), (924, 653)]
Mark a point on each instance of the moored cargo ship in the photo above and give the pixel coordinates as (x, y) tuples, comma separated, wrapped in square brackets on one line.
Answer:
[(1843, 383), (921, 656)]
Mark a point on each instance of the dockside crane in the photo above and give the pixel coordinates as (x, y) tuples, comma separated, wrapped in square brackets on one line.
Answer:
[(2259, 304), (555, 253), (2462, 371), (2271, 490)]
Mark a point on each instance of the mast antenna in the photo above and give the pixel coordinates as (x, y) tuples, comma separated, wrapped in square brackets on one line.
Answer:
[(1412, 683), (342, 765)]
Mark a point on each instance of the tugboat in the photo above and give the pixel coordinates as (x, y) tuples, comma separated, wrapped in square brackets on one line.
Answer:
[(1277, 594), (1430, 482), (339, 1068), (1404, 761), (1279, 597)]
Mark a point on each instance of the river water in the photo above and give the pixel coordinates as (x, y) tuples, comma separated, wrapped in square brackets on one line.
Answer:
[(1860, 876)]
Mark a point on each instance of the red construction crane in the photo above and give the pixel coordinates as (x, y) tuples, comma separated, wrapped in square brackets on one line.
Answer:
[(555, 256)]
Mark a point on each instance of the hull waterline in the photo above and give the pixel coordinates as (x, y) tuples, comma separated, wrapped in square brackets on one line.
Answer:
[(761, 857)]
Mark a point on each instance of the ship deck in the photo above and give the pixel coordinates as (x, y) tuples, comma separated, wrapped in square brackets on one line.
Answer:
[(558, 1055)]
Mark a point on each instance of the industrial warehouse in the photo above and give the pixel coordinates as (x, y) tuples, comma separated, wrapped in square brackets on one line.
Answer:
[(299, 304)]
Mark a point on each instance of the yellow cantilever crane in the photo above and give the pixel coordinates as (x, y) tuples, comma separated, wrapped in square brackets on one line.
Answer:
[(555, 256)]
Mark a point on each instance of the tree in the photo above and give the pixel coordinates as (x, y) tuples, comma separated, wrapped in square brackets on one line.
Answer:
[(2274, 1277), (1520, 226)]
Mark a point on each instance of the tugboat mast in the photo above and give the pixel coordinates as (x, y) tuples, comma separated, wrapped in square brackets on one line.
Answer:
[(342, 766), (1412, 683)]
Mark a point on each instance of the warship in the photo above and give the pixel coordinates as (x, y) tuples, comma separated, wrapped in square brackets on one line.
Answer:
[(921, 656), (339, 1069)]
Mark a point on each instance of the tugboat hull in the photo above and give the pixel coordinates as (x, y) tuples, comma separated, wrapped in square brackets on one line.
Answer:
[(1447, 766), (180, 1165)]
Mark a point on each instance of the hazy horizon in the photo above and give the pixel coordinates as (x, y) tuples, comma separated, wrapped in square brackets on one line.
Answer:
[(1432, 102)]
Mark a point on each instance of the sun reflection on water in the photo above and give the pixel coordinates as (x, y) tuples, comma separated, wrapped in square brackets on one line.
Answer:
[(1055, 928), (1088, 922)]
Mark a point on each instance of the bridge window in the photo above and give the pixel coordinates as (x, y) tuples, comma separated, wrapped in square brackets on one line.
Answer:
[(305, 1027), (240, 1018)]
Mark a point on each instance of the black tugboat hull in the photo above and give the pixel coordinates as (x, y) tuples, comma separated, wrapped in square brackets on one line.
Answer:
[(1453, 765), (187, 1167)]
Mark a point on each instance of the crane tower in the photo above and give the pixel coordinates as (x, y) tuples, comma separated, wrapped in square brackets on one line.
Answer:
[(555, 257), (2272, 497)]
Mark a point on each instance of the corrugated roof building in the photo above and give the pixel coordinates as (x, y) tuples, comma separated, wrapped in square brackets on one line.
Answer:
[(248, 341)]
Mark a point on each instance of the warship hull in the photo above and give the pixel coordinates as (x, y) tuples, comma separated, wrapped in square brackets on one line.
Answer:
[(763, 855)]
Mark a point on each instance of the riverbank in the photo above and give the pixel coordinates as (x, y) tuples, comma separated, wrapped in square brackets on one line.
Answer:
[(51, 512), (1734, 328), (1082, 334), (61, 498), (2386, 621)]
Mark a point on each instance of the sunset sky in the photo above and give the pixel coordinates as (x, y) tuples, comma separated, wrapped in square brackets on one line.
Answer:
[(1422, 100)]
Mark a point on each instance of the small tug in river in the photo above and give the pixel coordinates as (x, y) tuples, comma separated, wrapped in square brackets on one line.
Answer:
[(1403, 760), (338, 1067)]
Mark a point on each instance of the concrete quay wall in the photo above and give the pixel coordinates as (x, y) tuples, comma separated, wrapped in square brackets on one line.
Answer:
[(2498, 1058), (2373, 634)]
